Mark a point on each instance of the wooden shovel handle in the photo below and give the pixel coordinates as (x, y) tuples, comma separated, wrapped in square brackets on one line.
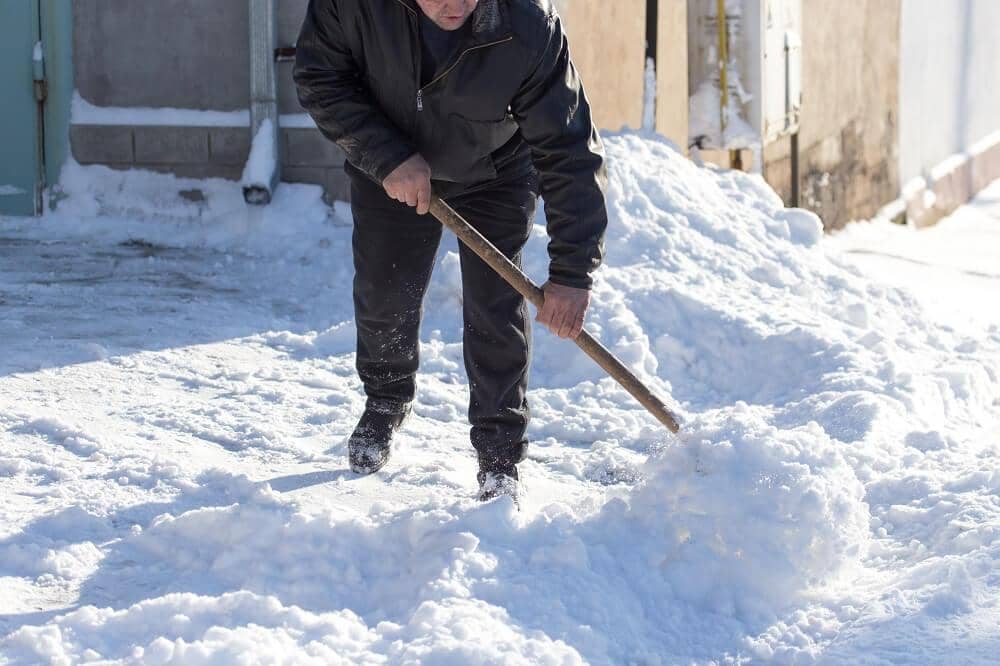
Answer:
[(523, 284)]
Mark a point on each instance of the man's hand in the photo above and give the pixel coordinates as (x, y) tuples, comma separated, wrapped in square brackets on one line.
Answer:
[(564, 309), (410, 183)]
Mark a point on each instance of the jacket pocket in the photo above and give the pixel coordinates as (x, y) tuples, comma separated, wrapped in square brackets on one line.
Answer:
[(486, 135), (466, 145)]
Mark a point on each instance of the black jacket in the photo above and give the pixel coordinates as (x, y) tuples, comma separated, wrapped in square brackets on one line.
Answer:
[(510, 83)]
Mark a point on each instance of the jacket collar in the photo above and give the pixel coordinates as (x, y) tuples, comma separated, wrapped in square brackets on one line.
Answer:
[(490, 20)]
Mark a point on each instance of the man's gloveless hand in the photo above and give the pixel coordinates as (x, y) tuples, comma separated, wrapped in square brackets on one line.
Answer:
[(564, 309), (410, 183)]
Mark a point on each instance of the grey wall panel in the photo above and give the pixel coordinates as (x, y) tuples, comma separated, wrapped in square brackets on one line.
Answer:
[(290, 15), (170, 53), (188, 54)]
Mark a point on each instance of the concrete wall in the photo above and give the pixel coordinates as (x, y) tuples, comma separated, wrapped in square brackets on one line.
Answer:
[(949, 80), (849, 138), (196, 53), (181, 40), (194, 56), (949, 104), (608, 45), (209, 152), (672, 71)]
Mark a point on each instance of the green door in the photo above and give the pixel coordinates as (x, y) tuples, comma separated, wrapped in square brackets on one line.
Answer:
[(21, 168)]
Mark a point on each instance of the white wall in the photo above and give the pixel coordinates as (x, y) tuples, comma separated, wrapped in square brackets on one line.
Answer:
[(949, 79)]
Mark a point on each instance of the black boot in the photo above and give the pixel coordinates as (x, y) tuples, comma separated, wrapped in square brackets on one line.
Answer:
[(499, 479), (370, 444)]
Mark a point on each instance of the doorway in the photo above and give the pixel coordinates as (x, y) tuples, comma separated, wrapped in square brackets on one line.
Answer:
[(21, 163)]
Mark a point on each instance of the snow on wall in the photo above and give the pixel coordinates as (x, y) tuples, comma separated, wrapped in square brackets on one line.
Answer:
[(85, 113), (949, 98)]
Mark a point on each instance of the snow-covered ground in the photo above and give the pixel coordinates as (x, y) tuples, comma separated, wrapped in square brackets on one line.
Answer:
[(177, 383)]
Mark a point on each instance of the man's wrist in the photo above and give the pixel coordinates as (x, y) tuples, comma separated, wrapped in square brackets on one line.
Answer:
[(576, 282), (383, 170)]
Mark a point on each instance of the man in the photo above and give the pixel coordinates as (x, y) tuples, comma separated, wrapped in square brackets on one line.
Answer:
[(477, 101)]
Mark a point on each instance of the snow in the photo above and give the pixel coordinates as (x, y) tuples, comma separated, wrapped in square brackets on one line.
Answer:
[(705, 110), (649, 97), (177, 386), (988, 142), (261, 163), (10, 190), (951, 267), (86, 113)]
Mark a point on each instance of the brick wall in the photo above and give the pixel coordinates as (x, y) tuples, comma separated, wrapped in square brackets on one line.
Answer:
[(209, 152)]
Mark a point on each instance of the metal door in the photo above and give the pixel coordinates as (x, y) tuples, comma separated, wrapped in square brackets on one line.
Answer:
[(21, 168)]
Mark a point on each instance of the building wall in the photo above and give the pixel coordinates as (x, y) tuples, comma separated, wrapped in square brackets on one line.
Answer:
[(672, 72), (849, 138), (203, 65), (191, 54), (196, 52), (949, 80), (949, 104), (608, 46)]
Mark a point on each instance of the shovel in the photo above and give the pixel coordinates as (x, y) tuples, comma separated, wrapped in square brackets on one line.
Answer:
[(524, 286)]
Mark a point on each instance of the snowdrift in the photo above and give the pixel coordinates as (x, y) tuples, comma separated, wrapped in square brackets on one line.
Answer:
[(799, 383)]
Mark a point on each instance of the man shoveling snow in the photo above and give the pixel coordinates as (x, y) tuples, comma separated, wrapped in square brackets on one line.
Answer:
[(480, 99)]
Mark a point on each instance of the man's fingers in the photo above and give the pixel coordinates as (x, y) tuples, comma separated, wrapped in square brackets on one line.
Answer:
[(544, 315), (564, 310), (424, 198), (548, 316), (566, 323), (556, 318), (411, 196), (577, 327)]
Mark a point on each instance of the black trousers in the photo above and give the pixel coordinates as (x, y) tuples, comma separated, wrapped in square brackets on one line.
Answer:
[(394, 252)]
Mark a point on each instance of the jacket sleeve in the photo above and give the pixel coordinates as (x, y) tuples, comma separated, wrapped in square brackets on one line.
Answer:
[(554, 115), (331, 88)]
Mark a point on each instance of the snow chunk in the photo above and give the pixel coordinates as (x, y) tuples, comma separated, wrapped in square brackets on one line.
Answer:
[(260, 166), (749, 517)]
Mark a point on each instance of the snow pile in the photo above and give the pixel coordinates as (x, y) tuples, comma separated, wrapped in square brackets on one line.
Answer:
[(757, 518), (830, 432), (143, 207)]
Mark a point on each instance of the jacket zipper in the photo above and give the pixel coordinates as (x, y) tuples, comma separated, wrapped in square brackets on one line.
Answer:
[(420, 90)]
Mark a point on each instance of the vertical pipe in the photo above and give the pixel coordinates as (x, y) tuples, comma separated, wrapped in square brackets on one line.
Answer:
[(41, 92), (263, 99), (720, 20), (652, 24), (650, 85), (57, 40), (794, 203)]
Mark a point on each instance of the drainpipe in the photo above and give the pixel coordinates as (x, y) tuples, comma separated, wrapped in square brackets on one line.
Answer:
[(720, 22), (262, 173), (40, 87)]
